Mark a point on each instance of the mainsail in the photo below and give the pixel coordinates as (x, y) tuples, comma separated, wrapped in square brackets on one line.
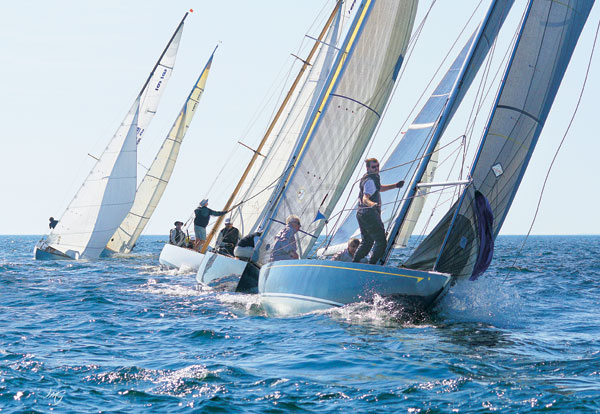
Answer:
[(420, 140), (155, 181), (343, 120), (107, 194), (462, 242)]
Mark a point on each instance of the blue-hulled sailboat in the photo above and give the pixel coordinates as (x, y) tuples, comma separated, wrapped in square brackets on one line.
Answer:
[(461, 245)]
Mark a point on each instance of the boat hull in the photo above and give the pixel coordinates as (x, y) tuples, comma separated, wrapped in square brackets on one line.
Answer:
[(48, 254), (299, 286), (178, 257), (222, 272)]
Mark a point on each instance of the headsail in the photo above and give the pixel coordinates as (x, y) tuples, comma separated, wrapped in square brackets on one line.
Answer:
[(540, 57), (344, 119), (107, 194), (155, 181), (417, 147)]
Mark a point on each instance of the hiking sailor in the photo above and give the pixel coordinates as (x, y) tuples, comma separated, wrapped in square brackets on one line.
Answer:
[(368, 215), (176, 235), (52, 223)]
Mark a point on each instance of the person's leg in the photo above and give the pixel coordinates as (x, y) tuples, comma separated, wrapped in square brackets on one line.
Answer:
[(366, 241), (377, 230), (200, 233)]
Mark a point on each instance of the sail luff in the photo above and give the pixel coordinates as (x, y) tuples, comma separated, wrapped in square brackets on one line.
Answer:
[(154, 183), (305, 64)]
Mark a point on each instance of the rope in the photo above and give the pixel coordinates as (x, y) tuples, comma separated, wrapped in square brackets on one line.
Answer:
[(587, 72)]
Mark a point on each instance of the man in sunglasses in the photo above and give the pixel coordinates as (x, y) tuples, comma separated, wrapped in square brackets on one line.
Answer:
[(368, 215)]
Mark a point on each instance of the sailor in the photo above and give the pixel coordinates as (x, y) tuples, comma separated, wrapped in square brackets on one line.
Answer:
[(347, 255), (245, 246), (228, 238), (201, 219), (369, 213), (176, 235), (285, 242), (52, 223)]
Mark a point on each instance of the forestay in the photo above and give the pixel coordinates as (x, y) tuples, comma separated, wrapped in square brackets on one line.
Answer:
[(542, 52), (344, 119), (155, 181), (107, 194)]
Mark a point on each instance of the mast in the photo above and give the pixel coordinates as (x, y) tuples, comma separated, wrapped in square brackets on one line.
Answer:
[(305, 64)]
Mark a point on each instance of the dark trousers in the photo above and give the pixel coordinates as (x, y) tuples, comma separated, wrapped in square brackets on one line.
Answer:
[(371, 231)]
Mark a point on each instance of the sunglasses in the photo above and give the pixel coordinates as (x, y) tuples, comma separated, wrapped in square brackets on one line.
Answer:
[(374, 166)]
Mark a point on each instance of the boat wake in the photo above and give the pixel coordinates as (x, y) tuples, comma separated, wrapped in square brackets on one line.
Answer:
[(249, 304)]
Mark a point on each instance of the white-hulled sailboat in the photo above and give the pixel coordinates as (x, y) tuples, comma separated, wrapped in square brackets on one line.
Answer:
[(154, 183), (461, 245), (107, 194)]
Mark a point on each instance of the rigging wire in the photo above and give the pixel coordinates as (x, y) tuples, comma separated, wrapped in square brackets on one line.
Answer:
[(587, 72)]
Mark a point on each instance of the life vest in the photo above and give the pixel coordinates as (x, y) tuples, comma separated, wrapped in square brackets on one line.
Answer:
[(375, 197)]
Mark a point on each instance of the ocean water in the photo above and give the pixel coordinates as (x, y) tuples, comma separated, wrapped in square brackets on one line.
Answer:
[(124, 335)]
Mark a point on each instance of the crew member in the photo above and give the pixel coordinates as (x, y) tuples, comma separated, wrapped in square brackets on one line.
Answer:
[(369, 213), (228, 238), (285, 247), (245, 246), (201, 219), (347, 255), (176, 235)]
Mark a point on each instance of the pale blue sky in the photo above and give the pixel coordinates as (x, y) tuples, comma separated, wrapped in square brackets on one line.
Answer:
[(71, 69)]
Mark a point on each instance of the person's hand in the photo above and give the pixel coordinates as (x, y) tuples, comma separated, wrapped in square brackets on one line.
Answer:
[(400, 184)]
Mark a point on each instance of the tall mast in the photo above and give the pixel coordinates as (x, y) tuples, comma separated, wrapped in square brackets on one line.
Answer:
[(272, 125)]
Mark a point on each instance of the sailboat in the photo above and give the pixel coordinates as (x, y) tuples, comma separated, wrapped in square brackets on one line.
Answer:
[(154, 183), (461, 244), (277, 143), (107, 194)]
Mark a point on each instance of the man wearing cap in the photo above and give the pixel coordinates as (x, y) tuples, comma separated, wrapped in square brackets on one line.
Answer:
[(202, 216), (228, 238), (177, 236)]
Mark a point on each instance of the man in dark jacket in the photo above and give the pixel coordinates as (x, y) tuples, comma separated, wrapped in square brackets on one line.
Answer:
[(369, 213), (228, 238), (201, 219)]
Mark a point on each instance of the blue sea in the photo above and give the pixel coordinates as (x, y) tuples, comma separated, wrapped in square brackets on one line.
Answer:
[(123, 335)]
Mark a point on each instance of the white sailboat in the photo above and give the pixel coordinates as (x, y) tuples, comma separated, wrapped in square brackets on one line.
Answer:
[(276, 143), (107, 194), (154, 183), (461, 245)]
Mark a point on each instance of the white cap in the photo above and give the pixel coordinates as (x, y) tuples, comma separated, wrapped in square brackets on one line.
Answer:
[(204, 202), (227, 220)]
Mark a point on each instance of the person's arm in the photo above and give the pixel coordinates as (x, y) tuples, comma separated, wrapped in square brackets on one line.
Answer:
[(217, 213), (388, 187)]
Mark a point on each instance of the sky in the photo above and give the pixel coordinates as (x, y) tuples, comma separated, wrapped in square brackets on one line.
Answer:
[(71, 70)]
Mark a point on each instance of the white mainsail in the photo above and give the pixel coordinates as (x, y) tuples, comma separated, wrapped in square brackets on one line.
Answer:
[(107, 194), (344, 119), (155, 181)]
